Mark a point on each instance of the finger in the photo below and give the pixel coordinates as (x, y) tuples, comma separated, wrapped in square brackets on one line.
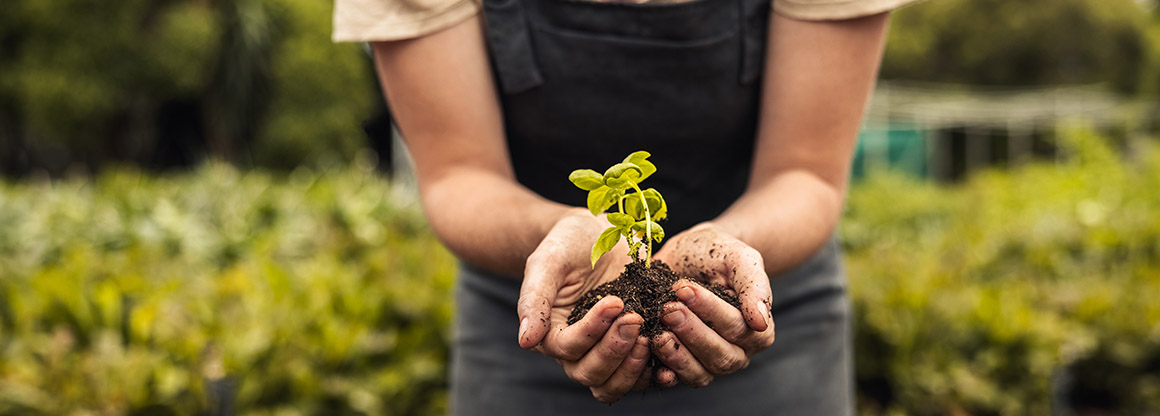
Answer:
[(543, 277), (713, 352), (715, 312), (626, 375), (666, 377), (752, 284), (598, 364), (571, 342), (646, 377), (681, 361)]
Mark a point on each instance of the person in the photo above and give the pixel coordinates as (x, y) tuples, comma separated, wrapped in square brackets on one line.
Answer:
[(750, 111)]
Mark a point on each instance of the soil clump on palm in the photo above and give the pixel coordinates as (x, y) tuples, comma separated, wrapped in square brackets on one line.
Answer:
[(645, 291)]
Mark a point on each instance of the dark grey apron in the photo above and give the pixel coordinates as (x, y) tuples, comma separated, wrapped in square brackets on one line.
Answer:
[(583, 85)]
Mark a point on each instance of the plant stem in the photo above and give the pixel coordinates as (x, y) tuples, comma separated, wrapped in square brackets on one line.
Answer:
[(647, 226)]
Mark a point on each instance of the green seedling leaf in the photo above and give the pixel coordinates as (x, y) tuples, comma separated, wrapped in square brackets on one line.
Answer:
[(640, 159), (637, 213), (600, 199), (605, 243), (656, 203), (586, 179), (634, 208), (658, 232), (622, 221), (622, 175)]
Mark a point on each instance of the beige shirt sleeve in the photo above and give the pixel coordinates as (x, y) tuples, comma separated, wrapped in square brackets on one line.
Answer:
[(375, 20), (835, 9)]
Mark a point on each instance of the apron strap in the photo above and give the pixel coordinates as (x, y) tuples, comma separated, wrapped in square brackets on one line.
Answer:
[(754, 15), (511, 46)]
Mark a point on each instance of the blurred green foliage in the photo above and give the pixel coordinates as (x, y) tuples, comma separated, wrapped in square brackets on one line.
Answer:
[(993, 296), (1026, 42), (318, 293), (325, 292), (256, 82)]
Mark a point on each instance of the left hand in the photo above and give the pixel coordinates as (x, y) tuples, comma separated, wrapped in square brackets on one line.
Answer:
[(718, 338)]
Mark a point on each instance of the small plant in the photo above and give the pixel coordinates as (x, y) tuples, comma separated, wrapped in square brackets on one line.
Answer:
[(637, 212)]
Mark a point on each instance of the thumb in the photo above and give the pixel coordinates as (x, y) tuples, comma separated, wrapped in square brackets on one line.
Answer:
[(537, 294), (753, 289)]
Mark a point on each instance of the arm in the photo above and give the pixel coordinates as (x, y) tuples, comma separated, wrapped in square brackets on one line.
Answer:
[(441, 89), (817, 79)]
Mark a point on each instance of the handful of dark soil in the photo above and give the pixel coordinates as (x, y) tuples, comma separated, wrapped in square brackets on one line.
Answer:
[(644, 291)]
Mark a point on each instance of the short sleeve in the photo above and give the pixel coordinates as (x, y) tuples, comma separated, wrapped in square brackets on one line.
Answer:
[(835, 9), (377, 20)]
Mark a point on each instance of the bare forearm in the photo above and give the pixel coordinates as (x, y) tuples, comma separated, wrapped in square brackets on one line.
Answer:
[(488, 220), (443, 96), (817, 80), (786, 219)]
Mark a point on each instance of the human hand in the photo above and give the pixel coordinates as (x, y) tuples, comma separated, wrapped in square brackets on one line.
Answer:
[(718, 337), (601, 350)]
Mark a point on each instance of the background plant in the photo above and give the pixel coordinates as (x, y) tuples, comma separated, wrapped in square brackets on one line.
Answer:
[(636, 218), (325, 291), (318, 293)]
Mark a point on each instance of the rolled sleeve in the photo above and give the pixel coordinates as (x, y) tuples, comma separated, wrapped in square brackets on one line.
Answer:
[(835, 9), (379, 20)]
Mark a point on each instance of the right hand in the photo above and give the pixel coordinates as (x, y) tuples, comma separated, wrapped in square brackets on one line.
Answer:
[(601, 350)]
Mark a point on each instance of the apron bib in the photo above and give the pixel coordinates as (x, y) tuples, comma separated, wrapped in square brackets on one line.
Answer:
[(583, 84)]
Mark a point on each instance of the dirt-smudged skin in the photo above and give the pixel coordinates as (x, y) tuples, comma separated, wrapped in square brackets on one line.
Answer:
[(644, 291)]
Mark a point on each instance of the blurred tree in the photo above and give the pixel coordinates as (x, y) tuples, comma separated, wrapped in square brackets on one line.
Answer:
[(1029, 42), (321, 91), (164, 83)]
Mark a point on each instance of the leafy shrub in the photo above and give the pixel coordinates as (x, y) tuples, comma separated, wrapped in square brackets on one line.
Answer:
[(324, 292), (320, 291), (1011, 291)]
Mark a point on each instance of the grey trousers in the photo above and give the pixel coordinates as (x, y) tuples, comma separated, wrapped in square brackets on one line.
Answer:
[(807, 371)]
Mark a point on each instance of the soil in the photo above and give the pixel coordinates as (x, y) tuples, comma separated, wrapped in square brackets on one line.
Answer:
[(645, 290)]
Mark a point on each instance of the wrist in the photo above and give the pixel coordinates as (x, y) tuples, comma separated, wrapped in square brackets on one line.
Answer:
[(720, 227)]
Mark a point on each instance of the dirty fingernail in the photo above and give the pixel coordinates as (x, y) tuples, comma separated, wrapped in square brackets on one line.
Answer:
[(686, 294), (666, 345), (629, 331), (674, 318), (523, 328)]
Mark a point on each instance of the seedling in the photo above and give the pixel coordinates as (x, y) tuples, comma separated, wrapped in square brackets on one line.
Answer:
[(636, 213)]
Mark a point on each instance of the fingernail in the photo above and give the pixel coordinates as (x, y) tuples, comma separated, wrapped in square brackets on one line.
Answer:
[(610, 313), (523, 328), (674, 318), (686, 294), (629, 331)]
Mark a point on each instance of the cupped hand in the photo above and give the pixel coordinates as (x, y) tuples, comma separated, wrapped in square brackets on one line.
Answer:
[(604, 349), (707, 336)]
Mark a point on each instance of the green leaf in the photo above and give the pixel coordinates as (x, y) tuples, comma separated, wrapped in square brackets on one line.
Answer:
[(640, 159), (657, 207), (605, 243), (656, 203), (622, 175), (633, 207), (622, 221), (658, 232), (600, 199), (586, 179)]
